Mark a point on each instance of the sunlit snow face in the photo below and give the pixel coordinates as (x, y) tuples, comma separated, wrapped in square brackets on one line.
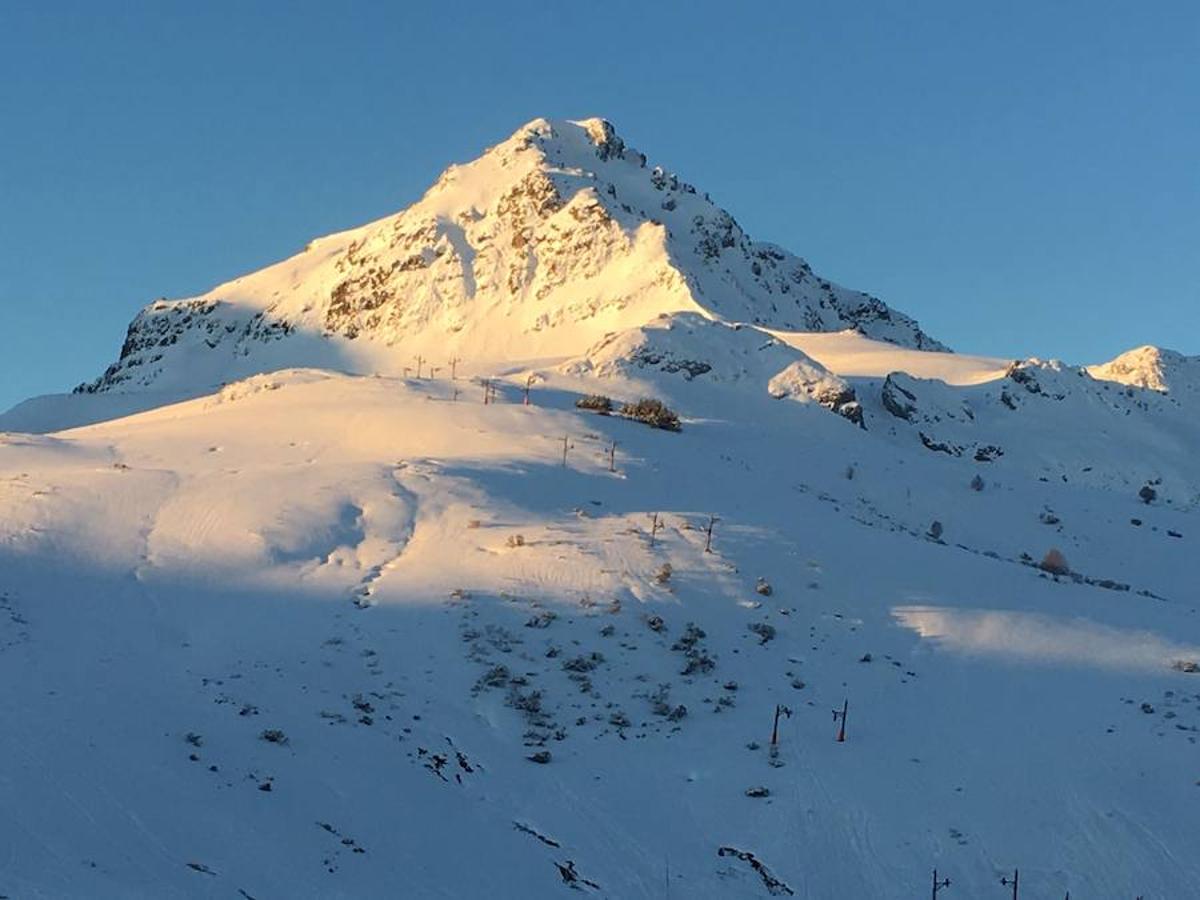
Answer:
[(1034, 638)]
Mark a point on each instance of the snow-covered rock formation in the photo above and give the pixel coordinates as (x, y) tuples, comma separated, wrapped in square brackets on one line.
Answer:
[(549, 241), (1153, 368)]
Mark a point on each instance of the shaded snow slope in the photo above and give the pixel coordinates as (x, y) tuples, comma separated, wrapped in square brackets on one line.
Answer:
[(1049, 421), (309, 635), (547, 242)]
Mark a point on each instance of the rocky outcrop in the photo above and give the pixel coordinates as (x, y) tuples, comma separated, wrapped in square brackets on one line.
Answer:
[(806, 378)]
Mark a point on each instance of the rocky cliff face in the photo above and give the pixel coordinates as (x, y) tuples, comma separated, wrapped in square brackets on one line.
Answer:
[(542, 246)]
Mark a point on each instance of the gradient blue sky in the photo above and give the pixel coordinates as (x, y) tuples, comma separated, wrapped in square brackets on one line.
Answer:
[(1022, 177)]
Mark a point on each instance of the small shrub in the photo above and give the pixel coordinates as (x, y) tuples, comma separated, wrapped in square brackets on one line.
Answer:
[(495, 677), (583, 663), (596, 403), (1054, 562), (274, 736), (764, 631), (660, 703), (541, 619), (664, 574), (653, 412), (1147, 494), (529, 703), (516, 540), (692, 635), (977, 483)]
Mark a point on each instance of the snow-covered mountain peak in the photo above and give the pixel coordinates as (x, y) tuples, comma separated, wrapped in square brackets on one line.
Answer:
[(563, 138), (1153, 368), (549, 241)]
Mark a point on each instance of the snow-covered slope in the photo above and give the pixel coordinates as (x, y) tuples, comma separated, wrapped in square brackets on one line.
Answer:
[(1050, 421), (324, 635), (1033, 419), (549, 241), (329, 629)]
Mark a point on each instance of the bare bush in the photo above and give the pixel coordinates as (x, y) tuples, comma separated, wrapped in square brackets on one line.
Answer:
[(764, 631)]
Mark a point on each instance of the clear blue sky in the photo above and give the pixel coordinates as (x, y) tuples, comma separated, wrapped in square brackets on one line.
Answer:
[(1022, 177)]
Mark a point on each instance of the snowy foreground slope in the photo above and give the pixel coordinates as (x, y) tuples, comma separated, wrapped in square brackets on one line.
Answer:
[(286, 610), (300, 638)]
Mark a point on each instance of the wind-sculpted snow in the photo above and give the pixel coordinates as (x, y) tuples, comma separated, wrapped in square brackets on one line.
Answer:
[(1031, 637), (540, 247)]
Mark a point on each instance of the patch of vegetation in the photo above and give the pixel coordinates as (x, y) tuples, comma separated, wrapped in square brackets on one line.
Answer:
[(654, 413), (596, 403)]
